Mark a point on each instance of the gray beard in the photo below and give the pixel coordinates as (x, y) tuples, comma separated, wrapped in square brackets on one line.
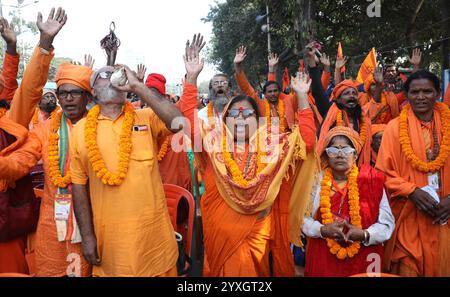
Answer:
[(109, 94), (220, 102)]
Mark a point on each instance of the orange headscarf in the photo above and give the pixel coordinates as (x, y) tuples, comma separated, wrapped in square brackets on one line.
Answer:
[(348, 132), (342, 86), (74, 74)]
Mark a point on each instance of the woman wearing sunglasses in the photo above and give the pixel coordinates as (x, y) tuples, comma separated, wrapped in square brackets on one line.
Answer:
[(257, 183), (351, 217)]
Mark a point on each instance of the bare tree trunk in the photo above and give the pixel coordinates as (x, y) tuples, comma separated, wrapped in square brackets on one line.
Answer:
[(410, 27)]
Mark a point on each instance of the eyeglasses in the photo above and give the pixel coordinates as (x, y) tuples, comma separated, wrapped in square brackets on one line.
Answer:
[(220, 83), (333, 152), (246, 113), (75, 94)]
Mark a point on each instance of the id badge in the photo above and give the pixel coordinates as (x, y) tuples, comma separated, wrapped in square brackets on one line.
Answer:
[(433, 181), (62, 207)]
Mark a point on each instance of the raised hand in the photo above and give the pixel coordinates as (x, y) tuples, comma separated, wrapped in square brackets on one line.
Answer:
[(241, 54), (89, 61), (325, 60), (273, 62), (7, 32), (301, 83), (141, 70), (416, 58), (196, 45), (378, 75), (340, 62), (50, 28)]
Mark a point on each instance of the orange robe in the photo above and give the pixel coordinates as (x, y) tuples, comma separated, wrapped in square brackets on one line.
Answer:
[(50, 254), (447, 95), (380, 113), (417, 247), (9, 72), (15, 162), (237, 244)]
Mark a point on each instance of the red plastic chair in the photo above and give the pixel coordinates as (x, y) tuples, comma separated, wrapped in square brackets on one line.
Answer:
[(174, 194)]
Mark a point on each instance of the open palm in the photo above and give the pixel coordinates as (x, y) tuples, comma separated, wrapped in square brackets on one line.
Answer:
[(241, 54), (54, 22)]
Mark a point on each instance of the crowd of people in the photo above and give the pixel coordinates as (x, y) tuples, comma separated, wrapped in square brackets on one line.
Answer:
[(297, 182)]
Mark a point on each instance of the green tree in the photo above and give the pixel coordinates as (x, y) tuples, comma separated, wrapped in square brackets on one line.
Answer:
[(401, 26)]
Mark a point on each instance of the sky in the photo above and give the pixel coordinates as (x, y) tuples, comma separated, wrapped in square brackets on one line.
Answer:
[(152, 32)]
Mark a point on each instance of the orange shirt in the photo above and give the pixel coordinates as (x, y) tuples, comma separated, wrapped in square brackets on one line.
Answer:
[(134, 233)]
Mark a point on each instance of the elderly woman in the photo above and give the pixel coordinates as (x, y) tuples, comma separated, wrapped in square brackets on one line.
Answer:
[(351, 217)]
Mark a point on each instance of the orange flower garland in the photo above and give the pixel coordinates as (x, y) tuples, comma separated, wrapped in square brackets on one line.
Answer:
[(444, 150), (236, 174), (363, 130), (341, 253), (281, 115), (53, 155), (125, 146), (163, 150)]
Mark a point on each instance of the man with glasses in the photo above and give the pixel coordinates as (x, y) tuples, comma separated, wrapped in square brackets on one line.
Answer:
[(57, 234)]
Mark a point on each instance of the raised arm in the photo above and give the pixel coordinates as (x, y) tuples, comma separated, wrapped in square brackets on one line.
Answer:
[(301, 86), (273, 65), (162, 107), (378, 78), (10, 62), (241, 79), (326, 76), (34, 79), (416, 59), (340, 62), (322, 100)]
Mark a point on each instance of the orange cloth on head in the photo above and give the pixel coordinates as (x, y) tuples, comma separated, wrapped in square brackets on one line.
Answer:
[(351, 134), (342, 86), (417, 247), (77, 75)]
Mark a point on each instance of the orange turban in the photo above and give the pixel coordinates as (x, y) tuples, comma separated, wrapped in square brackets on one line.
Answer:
[(342, 86), (375, 129), (348, 132), (74, 74)]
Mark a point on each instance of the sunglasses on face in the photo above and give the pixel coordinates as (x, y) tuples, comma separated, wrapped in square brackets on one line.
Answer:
[(246, 113), (76, 94), (333, 152)]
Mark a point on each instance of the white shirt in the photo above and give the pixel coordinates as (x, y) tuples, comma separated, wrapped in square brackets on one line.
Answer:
[(203, 115), (379, 232)]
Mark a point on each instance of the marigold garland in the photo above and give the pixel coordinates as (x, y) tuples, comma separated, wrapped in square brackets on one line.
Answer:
[(53, 155), (281, 114), (363, 130), (444, 149), (125, 146), (236, 174), (355, 217), (164, 149)]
